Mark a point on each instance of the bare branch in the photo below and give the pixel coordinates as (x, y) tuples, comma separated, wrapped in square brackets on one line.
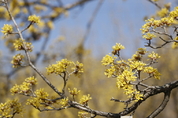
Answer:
[(155, 4), (162, 106)]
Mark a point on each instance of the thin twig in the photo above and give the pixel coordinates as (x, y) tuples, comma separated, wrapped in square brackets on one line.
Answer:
[(155, 3)]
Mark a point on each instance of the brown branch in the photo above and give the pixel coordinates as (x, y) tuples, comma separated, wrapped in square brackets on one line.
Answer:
[(152, 91), (167, 88), (155, 4), (27, 27), (162, 106), (165, 42)]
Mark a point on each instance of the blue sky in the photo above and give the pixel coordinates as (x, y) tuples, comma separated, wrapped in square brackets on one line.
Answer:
[(118, 21)]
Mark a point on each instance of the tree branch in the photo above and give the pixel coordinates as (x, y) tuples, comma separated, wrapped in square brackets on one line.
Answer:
[(162, 106)]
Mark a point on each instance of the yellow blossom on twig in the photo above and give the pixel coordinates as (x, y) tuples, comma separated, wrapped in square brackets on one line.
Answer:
[(154, 56), (18, 45), (58, 68), (107, 60), (74, 91), (9, 108), (64, 102), (34, 19), (17, 60), (85, 98), (7, 29)]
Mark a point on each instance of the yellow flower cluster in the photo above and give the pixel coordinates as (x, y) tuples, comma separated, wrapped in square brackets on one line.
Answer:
[(138, 96), (107, 60), (7, 29), (152, 71), (9, 108), (127, 72), (174, 13), (34, 19), (85, 98), (110, 71), (123, 80), (31, 80), (64, 102), (61, 67), (82, 114), (18, 45), (74, 91), (78, 68), (175, 44), (138, 55), (154, 56), (117, 48), (149, 36), (40, 97), (138, 65), (168, 18), (25, 87), (17, 60), (163, 12)]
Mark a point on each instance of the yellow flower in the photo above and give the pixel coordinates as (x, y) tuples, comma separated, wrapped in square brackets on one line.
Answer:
[(24, 88), (74, 91), (34, 19), (40, 97), (152, 71), (174, 45), (31, 80), (10, 108), (18, 45), (118, 47), (137, 65), (154, 56), (78, 69), (138, 96), (7, 29), (34, 102), (85, 98), (174, 13), (107, 60), (17, 60), (167, 21), (149, 36), (163, 12), (60, 67), (15, 89), (109, 72), (64, 102), (141, 51), (149, 69), (41, 94)]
